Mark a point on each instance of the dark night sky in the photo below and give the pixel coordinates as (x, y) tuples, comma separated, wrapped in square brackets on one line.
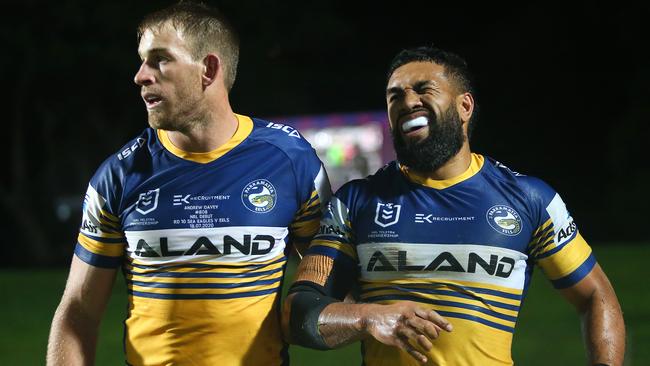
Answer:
[(562, 89)]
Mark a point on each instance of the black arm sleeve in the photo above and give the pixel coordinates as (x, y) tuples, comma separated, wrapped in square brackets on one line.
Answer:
[(306, 305)]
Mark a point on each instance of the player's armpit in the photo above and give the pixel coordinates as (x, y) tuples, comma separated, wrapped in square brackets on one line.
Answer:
[(602, 319)]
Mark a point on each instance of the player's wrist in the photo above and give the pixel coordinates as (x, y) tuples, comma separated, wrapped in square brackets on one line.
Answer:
[(365, 319)]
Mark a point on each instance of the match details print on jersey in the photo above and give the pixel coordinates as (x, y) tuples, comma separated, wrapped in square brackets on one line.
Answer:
[(203, 239)]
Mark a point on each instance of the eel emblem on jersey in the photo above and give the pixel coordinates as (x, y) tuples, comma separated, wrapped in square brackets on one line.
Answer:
[(147, 202), (259, 196), (504, 219), (387, 214)]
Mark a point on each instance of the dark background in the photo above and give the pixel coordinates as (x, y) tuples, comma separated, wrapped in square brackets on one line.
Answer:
[(563, 93)]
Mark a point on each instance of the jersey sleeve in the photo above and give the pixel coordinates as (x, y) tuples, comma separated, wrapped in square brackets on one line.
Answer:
[(101, 241), (314, 192), (331, 262), (557, 246)]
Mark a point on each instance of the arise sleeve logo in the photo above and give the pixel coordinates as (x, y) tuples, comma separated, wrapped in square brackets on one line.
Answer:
[(387, 214), (147, 202)]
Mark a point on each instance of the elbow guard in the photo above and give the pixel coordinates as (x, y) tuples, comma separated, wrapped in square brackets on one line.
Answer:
[(306, 305)]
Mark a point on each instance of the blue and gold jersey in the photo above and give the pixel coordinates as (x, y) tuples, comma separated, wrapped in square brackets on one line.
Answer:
[(465, 247), (203, 240)]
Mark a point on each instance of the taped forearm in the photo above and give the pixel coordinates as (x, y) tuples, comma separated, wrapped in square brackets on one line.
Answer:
[(321, 322), (343, 323), (307, 303)]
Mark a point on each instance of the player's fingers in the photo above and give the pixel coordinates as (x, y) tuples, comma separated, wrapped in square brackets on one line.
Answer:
[(422, 326), (435, 318), (405, 346), (414, 337), (406, 333), (424, 342)]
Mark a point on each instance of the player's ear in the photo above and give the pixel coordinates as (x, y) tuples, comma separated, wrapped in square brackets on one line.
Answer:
[(211, 69), (465, 106)]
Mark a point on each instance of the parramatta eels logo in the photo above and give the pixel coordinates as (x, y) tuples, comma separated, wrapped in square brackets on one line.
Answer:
[(259, 196), (147, 202), (504, 219)]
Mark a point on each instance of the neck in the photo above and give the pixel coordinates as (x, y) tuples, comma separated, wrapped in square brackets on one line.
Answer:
[(454, 167), (219, 126)]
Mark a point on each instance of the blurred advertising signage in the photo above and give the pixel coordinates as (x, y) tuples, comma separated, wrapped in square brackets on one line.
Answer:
[(351, 145)]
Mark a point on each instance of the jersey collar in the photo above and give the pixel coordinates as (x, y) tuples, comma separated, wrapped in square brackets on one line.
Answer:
[(244, 129), (475, 165)]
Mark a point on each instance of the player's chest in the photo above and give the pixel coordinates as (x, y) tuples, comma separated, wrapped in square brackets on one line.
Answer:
[(198, 197), (466, 235), (471, 216)]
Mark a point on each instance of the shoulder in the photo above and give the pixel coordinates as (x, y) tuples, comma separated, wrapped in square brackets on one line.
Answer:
[(532, 187), (379, 184), (282, 136), (130, 157)]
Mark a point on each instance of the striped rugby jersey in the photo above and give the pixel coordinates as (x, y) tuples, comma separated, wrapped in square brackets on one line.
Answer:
[(464, 247), (203, 239)]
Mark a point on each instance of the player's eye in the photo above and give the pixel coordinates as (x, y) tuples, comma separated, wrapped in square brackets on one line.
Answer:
[(392, 97)]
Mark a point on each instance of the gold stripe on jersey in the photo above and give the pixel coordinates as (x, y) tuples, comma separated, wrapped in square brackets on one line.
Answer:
[(543, 237), (244, 129), (487, 305), (109, 236), (345, 248), (476, 314), (309, 209), (573, 255), (487, 292), (207, 298), (496, 304), (109, 217), (207, 281), (309, 206), (480, 346), (474, 167), (306, 223), (508, 291), (235, 331), (544, 228), (238, 265), (102, 248), (108, 226)]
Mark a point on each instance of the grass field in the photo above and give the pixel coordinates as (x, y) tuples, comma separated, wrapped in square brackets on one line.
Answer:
[(548, 331)]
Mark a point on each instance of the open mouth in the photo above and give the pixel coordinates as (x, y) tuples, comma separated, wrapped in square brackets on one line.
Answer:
[(415, 124), (151, 100)]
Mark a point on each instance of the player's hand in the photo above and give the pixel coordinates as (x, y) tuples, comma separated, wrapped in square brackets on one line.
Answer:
[(404, 324)]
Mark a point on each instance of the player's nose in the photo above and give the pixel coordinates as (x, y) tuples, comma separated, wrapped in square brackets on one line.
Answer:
[(144, 76)]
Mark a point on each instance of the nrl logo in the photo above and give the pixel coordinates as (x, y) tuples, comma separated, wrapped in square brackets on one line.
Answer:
[(387, 214), (147, 202)]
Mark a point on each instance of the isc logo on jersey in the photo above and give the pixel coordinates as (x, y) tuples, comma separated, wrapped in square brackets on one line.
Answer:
[(285, 128), (504, 219), (259, 196)]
